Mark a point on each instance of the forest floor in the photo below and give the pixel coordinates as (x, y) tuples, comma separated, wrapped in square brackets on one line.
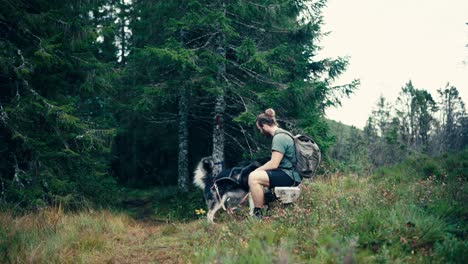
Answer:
[(410, 213), (91, 236)]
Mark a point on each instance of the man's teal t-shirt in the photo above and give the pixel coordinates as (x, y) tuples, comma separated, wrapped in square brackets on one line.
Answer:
[(285, 144)]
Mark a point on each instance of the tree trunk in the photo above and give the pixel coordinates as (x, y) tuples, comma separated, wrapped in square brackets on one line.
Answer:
[(123, 42), (183, 179), (218, 135), (220, 106)]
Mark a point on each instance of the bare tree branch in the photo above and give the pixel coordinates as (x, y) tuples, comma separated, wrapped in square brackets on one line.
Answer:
[(257, 76), (246, 139), (262, 6), (195, 39)]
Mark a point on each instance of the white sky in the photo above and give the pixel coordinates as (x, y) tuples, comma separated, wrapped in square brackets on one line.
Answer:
[(390, 42)]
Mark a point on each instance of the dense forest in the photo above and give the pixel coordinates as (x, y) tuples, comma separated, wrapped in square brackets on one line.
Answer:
[(110, 104), (96, 93)]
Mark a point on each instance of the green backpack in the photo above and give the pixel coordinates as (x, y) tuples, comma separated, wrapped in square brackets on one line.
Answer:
[(308, 154)]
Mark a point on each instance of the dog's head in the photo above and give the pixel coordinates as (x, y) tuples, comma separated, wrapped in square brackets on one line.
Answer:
[(203, 172), (208, 164)]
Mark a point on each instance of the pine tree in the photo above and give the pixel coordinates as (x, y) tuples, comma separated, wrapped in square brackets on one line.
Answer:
[(381, 129), (405, 114), (415, 111), (53, 103), (452, 116), (382, 115), (158, 76)]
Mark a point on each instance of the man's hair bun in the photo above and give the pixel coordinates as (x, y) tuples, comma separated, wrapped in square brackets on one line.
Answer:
[(270, 112), (267, 118)]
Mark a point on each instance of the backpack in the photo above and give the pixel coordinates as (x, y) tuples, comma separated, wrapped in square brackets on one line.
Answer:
[(308, 154)]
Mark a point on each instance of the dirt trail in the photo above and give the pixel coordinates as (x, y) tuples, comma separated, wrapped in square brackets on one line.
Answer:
[(148, 239), (147, 243)]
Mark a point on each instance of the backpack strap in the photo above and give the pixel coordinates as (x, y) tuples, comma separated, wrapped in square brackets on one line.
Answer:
[(282, 131)]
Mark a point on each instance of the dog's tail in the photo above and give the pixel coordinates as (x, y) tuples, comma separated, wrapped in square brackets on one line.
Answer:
[(203, 172)]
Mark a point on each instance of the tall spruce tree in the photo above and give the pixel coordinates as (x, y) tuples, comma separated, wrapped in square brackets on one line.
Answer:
[(158, 81), (54, 100)]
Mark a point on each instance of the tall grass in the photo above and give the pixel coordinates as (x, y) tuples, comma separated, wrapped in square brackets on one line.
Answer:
[(51, 236), (413, 212)]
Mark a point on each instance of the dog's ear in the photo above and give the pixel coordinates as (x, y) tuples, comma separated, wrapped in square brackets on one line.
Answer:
[(208, 164)]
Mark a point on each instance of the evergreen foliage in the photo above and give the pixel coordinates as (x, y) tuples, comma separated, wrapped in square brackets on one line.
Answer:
[(56, 125), (99, 91), (248, 55), (95, 92)]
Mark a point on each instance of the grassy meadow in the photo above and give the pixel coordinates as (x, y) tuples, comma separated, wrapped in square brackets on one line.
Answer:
[(414, 212)]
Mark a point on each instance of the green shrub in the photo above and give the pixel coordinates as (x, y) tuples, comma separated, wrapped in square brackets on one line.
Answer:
[(451, 250), (430, 167)]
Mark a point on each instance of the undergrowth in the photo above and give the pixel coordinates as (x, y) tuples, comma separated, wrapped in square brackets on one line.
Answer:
[(413, 212)]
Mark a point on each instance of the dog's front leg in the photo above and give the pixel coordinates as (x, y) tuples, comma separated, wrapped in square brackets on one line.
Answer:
[(216, 206), (251, 204)]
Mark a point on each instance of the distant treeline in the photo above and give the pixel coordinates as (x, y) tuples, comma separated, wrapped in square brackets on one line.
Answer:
[(416, 123)]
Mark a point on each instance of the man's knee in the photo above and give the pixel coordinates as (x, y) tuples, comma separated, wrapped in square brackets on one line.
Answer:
[(253, 177), (257, 177)]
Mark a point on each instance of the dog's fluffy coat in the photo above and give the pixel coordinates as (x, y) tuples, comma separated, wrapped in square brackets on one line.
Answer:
[(232, 186)]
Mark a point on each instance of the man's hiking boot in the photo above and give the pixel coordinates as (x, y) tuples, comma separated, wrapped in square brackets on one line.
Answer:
[(269, 196), (257, 213)]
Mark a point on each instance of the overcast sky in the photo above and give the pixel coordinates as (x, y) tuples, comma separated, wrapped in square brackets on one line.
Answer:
[(390, 42)]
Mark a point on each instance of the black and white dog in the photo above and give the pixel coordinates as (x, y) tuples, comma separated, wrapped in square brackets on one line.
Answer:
[(228, 189)]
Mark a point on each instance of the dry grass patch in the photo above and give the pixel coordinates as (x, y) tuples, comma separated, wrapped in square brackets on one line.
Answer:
[(87, 237)]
